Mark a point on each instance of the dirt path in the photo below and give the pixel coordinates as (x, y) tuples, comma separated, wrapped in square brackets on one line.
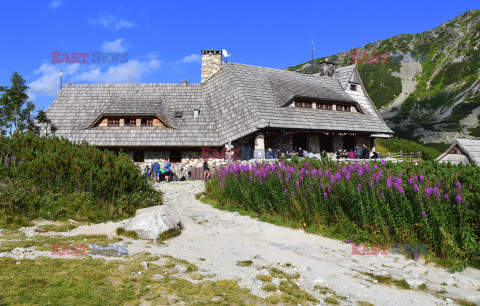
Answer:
[(216, 241), (224, 238)]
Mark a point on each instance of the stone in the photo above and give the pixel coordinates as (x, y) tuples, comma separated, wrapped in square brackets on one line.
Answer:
[(158, 276), (145, 265), (180, 269), (319, 280), (414, 282), (150, 222)]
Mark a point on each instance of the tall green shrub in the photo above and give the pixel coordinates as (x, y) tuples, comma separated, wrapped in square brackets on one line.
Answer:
[(54, 178)]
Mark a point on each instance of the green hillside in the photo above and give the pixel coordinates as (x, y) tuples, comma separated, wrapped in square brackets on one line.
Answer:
[(429, 87)]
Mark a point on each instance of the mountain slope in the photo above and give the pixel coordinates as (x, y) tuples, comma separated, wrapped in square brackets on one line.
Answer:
[(428, 87)]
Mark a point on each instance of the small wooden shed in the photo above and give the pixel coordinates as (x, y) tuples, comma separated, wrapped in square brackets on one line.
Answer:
[(462, 151)]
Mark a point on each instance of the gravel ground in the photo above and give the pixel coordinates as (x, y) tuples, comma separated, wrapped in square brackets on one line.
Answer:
[(216, 240)]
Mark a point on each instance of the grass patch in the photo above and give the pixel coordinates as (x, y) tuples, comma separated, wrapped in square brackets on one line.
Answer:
[(122, 232), (270, 288), (464, 302), (55, 228), (244, 263), (387, 280), (94, 281), (171, 233), (331, 301), (44, 243), (264, 278)]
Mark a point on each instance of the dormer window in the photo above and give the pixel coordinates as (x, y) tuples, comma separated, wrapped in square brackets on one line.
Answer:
[(324, 105), (344, 108), (353, 87), (113, 122), (303, 103), (196, 112), (147, 121), (130, 122), (178, 114)]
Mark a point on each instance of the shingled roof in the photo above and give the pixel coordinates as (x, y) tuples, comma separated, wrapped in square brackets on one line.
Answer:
[(236, 101), (468, 147)]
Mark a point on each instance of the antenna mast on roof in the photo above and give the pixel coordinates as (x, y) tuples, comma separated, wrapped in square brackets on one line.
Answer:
[(313, 50), (61, 77)]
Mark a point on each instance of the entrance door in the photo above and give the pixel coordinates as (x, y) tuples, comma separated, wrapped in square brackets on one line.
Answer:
[(348, 142), (139, 156), (326, 143), (299, 141)]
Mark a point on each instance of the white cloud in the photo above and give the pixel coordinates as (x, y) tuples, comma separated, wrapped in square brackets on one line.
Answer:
[(48, 84), (192, 58), (130, 72), (114, 46), (111, 22), (54, 4)]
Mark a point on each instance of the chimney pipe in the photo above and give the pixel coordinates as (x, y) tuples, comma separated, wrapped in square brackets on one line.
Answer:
[(211, 63), (327, 69)]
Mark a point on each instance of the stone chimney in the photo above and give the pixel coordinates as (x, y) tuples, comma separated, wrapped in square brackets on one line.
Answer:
[(211, 63), (327, 69)]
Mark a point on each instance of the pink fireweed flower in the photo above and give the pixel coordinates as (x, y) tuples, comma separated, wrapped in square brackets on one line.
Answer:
[(380, 174), (459, 186), (415, 188), (421, 177), (446, 196), (329, 189), (297, 184), (389, 183), (410, 181), (338, 176), (314, 172), (382, 195), (424, 214), (311, 187), (359, 188), (383, 162), (332, 180), (370, 184), (286, 190), (459, 199), (367, 168), (436, 192), (325, 194), (428, 191), (347, 177)]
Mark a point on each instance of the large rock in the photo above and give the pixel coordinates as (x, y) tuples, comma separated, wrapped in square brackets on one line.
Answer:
[(150, 222)]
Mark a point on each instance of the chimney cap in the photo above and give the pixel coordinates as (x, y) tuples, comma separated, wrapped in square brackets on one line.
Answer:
[(184, 82), (211, 51)]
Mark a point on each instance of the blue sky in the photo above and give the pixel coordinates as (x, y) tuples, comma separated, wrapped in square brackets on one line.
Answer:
[(163, 39)]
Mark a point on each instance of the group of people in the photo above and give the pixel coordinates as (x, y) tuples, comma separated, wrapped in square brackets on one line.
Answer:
[(156, 171), (358, 153)]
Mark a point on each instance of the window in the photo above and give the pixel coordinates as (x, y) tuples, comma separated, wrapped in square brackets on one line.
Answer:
[(344, 108), (303, 104), (322, 105), (113, 122), (130, 121), (178, 114), (196, 112), (353, 87), (147, 121)]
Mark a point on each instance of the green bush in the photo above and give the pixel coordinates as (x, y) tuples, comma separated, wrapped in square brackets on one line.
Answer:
[(395, 145), (429, 203), (53, 178)]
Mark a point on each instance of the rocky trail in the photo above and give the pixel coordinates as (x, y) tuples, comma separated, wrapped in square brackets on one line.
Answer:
[(217, 241)]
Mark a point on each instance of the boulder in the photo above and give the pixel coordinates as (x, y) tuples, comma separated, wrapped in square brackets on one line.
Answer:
[(150, 222)]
